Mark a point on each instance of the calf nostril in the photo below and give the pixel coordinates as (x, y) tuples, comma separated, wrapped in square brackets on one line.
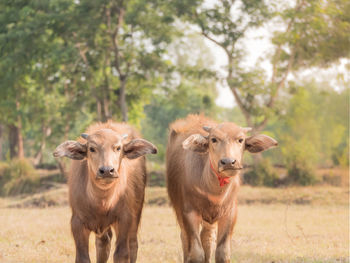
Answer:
[(101, 170), (111, 170), (222, 162), (233, 161)]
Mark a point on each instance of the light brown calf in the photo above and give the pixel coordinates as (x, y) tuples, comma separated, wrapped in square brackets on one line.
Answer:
[(203, 162), (106, 189)]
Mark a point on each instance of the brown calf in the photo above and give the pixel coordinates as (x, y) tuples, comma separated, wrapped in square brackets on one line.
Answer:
[(203, 162), (106, 189)]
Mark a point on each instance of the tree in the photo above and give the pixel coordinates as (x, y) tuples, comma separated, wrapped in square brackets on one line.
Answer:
[(121, 45), (188, 88), (21, 40), (303, 42), (64, 59)]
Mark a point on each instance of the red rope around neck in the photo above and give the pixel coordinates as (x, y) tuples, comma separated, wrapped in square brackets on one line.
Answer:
[(222, 180)]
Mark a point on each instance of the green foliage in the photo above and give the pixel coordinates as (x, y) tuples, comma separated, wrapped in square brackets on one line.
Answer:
[(318, 32), (261, 174), (313, 131), (300, 172), (64, 64), (18, 177), (169, 106), (315, 127), (193, 92), (301, 145)]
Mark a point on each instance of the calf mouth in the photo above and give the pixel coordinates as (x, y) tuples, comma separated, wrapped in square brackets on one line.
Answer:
[(230, 169), (109, 178)]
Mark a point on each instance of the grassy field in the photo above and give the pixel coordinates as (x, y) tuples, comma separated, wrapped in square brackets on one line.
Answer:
[(274, 225)]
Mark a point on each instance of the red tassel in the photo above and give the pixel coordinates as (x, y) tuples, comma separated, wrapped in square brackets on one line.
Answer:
[(222, 180)]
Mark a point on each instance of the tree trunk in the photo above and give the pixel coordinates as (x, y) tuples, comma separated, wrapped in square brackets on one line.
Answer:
[(20, 139), (46, 131), (1, 136), (99, 109), (105, 102), (15, 142), (12, 141), (62, 167), (122, 99), (106, 91)]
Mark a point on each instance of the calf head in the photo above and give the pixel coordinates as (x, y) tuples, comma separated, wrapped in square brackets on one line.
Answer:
[(225, 145), (104, 151)]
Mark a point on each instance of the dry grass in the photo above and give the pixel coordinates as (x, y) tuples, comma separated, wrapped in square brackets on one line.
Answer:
[(316, 195), (311, 195), (264, 233), (281, 231)]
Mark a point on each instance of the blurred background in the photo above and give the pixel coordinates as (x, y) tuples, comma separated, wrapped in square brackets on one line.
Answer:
[(280, 67)]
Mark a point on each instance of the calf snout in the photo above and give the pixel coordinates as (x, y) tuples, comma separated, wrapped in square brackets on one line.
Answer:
[(106, 171), (227, 163)]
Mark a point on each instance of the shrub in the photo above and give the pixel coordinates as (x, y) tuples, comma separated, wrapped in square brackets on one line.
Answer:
[(262, 174), (301, 172), (18, 177), (3, 174), (301, 155), (156, 174)]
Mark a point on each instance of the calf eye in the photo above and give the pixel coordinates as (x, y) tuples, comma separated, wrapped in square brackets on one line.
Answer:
[(92, 149), (118, 148), (214, 140), (240, 140)]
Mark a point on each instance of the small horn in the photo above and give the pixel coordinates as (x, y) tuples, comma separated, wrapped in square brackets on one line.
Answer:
[(84, 135), (124, 136), (247, 129), (207, 128)]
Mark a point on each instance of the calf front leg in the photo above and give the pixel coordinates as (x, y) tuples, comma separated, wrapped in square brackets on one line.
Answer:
[(133, 246), (122, 249), (192, 221), (133, 243), (208, 235), (184, 244), (225, 229), (81, 238), (103, 246)]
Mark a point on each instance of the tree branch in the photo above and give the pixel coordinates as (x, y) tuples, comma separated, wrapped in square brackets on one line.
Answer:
[(281, 84), (114, 36)]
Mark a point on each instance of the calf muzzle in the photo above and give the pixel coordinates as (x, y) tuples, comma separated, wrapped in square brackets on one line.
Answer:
[(228, 164), (107, 172)]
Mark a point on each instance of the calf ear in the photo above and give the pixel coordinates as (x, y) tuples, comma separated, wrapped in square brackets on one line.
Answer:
[(137, 148), (260, 142), (71, 149), (196, 143)]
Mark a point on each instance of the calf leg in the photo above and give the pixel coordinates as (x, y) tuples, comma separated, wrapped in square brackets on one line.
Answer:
[(122, 249), (208, 236), (81, 238), (184, 242), (103, 246), (133, 246), (225, 229), (191, 221), (133, 243)]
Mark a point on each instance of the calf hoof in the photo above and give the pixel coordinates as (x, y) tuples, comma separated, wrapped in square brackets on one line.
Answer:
[(196, 256), (222, 257), (222, 260)]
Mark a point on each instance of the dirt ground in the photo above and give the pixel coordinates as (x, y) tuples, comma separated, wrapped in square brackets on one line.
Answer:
[(278, 230)]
